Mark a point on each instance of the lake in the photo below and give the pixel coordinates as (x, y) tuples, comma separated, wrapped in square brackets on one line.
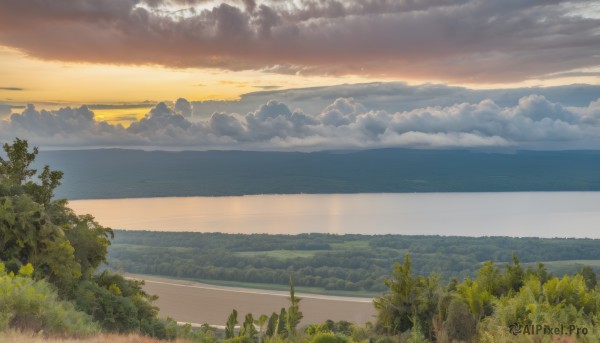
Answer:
[(518, 214)]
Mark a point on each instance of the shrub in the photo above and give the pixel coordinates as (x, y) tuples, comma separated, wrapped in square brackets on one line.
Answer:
[(239, 339), (326, 337), (33, 305)]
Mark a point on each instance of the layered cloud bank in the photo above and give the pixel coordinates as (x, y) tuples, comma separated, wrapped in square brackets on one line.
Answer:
[(533, 122), (476, 41)]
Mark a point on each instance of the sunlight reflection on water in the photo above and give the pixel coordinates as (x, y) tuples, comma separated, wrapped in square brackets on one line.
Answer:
[(541, 214)]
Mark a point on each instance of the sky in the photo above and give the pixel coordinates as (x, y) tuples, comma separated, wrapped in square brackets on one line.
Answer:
[(301, 74)]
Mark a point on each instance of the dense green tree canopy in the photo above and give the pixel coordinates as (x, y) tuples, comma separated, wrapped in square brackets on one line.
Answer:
[(64, 248), (483, 309), (36, 229)]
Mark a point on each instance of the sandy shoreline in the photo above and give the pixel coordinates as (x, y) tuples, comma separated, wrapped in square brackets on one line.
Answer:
[(195, 302)]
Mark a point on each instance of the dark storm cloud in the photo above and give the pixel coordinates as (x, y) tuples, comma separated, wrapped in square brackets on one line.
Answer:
[(467, 41)]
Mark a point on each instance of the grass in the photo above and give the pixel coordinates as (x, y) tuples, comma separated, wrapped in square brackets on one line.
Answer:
[(142, 247), (280, 254), (287, 254), (591, 263), (13, 336), (351, 245), (274, 287), (566, 266)]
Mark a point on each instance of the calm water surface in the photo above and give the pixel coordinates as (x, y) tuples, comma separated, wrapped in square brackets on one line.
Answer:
[(541, 214)]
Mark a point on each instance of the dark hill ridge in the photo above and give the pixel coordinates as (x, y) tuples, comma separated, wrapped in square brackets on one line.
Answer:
[(118, 173)]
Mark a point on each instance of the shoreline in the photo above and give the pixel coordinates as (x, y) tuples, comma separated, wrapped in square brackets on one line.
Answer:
[(196, 302)]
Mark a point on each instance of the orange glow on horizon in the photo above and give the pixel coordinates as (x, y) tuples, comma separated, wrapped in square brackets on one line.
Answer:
[(52, 84)]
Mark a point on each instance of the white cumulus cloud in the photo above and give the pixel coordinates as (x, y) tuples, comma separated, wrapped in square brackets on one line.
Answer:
[(533, 122)]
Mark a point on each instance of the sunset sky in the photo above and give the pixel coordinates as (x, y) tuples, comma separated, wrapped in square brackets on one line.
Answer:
[(122, 58)]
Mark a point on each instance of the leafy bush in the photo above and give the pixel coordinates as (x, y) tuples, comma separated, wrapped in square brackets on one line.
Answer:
[(33, 304), (327, 337), (239, 339)]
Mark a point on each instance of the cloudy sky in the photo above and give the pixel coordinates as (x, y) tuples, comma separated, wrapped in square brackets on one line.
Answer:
[(301, 75)]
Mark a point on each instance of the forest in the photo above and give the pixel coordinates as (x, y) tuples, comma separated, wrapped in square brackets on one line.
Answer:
[(50, 257), (52, 281), (121, 173), (342, 264)]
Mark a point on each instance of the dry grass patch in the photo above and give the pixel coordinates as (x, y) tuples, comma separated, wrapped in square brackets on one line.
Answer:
[(13, 336)]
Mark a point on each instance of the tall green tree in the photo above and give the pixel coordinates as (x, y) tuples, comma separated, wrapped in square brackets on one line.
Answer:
[(514, 274), (281, 321), (272, 325), (461, 324), (591, 280), (247, 329), (232, 321), (90, 242), (261, 321), (28, 235), (408, 301), (36, 229), (16, 167), (478, 297), (294, 315), (64, 248), (49, 181)]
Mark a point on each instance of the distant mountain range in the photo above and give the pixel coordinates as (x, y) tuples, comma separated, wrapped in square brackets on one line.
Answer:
[(117, 173)]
